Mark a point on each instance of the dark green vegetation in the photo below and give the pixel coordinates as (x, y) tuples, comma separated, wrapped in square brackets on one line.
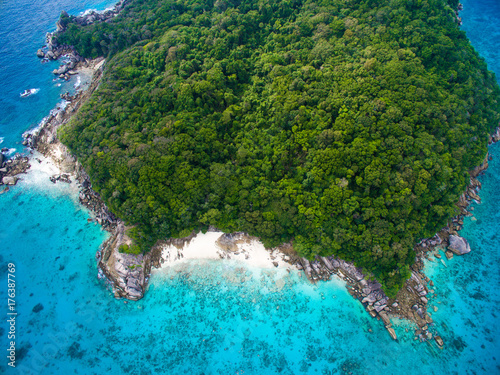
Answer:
[(345, 126)]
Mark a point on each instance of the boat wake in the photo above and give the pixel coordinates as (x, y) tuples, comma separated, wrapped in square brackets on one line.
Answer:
[(29, 92)]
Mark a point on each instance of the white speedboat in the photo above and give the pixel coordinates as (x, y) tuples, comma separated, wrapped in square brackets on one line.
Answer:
[(29, 92)]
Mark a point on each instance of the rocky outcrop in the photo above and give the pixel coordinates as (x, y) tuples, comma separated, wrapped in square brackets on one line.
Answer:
[(495, 137), (11, 169), (458, 18), (229, 241), (92, 200), (368, 291), (63, 177), (9, 180), (458, 245), (439, 341), (44, 137), (90, 17), (124, 272), (52, 51)]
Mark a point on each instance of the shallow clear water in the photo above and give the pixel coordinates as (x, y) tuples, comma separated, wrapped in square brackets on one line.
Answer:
[(215, 317)]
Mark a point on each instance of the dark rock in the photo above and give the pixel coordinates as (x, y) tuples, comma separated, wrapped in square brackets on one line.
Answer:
[(22, 352), (40, 54), (38, 308), (75, 352), (64, 178)]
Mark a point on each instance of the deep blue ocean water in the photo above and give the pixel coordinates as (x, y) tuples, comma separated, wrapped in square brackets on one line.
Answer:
[(213, 317)]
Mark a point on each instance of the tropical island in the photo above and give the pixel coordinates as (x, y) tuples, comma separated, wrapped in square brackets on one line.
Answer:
[(345, 128)]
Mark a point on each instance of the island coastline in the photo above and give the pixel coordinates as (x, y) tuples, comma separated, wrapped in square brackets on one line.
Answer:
[(125, 286)]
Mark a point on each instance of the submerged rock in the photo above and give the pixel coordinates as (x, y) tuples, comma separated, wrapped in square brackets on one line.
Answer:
[(75, 351), (38, 308), (392, 333), (439, 340)]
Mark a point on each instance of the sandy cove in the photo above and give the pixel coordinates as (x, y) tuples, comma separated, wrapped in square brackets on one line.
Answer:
[(219, 245)]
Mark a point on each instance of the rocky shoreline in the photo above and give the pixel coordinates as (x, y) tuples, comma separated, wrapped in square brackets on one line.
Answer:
[(10, 169), (52, 51), (129, 274)]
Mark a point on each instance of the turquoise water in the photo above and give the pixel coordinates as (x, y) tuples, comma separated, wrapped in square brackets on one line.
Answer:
[(215, 317)]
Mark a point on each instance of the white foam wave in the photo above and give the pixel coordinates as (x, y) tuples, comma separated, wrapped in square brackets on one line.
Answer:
[(59, 107), (88, 11), (78, 82), (38, 177), (1, 140), (10, 152)]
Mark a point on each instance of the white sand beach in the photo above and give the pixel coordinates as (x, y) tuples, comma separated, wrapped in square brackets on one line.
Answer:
[(217, 245)]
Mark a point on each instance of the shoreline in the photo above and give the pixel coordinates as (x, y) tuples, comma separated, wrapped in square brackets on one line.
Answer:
[(216, 244), (128, 275)]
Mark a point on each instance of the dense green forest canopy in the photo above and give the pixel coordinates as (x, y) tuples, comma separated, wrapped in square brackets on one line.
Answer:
[(347, 126)]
